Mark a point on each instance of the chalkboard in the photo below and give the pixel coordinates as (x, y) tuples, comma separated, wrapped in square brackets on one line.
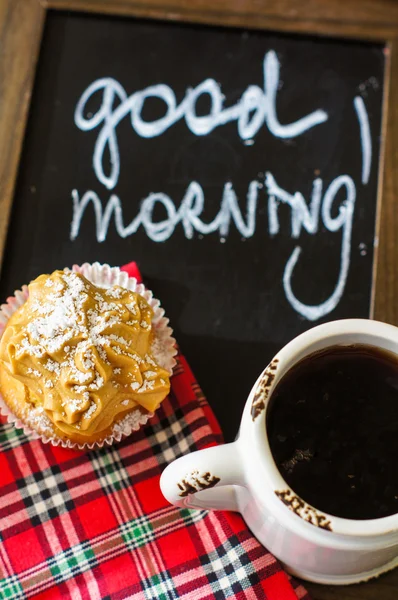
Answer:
[(238, 168)]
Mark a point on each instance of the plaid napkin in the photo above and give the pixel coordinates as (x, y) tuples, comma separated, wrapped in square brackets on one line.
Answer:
[(96, 526)]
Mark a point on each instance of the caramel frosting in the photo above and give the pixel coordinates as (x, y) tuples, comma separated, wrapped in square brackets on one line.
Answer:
[(81, 355)]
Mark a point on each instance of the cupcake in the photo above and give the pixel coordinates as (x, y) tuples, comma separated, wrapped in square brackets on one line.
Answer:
[(83, 364)]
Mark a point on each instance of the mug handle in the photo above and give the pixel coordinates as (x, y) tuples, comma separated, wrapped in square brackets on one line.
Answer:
[(204, 479)]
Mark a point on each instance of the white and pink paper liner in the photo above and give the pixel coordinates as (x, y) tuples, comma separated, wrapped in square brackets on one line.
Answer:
[(163, 350)]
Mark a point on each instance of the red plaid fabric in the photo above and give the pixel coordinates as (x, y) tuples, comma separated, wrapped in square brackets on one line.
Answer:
[(96, 526)]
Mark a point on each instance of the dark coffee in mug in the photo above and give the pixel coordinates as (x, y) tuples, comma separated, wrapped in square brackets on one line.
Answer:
[(332, 425)]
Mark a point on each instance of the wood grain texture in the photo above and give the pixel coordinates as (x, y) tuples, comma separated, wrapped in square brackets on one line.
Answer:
[(386, 290), (371, 19), (21, 23)]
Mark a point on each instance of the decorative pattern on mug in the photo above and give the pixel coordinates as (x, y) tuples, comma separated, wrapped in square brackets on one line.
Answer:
[(303, 510), (262, 390), (196, 482)]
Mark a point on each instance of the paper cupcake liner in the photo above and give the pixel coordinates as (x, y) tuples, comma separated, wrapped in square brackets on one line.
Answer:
[(163, 350)]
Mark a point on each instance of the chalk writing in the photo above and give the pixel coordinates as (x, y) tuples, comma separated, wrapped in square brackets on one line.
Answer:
[(189, 216), (256, 108), (366, 140), (342, 221)]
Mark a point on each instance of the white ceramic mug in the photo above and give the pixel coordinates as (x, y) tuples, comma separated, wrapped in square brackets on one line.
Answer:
[(243, 477)]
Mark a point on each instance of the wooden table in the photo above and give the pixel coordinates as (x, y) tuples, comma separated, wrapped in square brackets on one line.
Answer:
[(382, 588), (21, 25)]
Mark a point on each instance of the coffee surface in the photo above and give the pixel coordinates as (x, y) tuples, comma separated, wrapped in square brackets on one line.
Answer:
[(332, 425)]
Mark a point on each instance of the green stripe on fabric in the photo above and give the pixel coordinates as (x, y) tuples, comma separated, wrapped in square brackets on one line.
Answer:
[(139, 532), (8, 436), (85, 556), (157, 589), (10, 588), (66, 563)]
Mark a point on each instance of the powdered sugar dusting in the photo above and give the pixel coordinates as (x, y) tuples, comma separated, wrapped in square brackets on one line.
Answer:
[(116, 292), (149, 374), (78, 321), (146, 386), (53, 366), (34, 372), (61, 319), (90, 411), (38, 419), (96, 274)]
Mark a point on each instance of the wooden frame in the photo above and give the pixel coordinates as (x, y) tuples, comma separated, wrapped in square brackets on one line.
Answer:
[(21, 27)]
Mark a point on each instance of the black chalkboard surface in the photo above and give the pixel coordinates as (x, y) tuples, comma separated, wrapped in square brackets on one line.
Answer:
[(238, 168)]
